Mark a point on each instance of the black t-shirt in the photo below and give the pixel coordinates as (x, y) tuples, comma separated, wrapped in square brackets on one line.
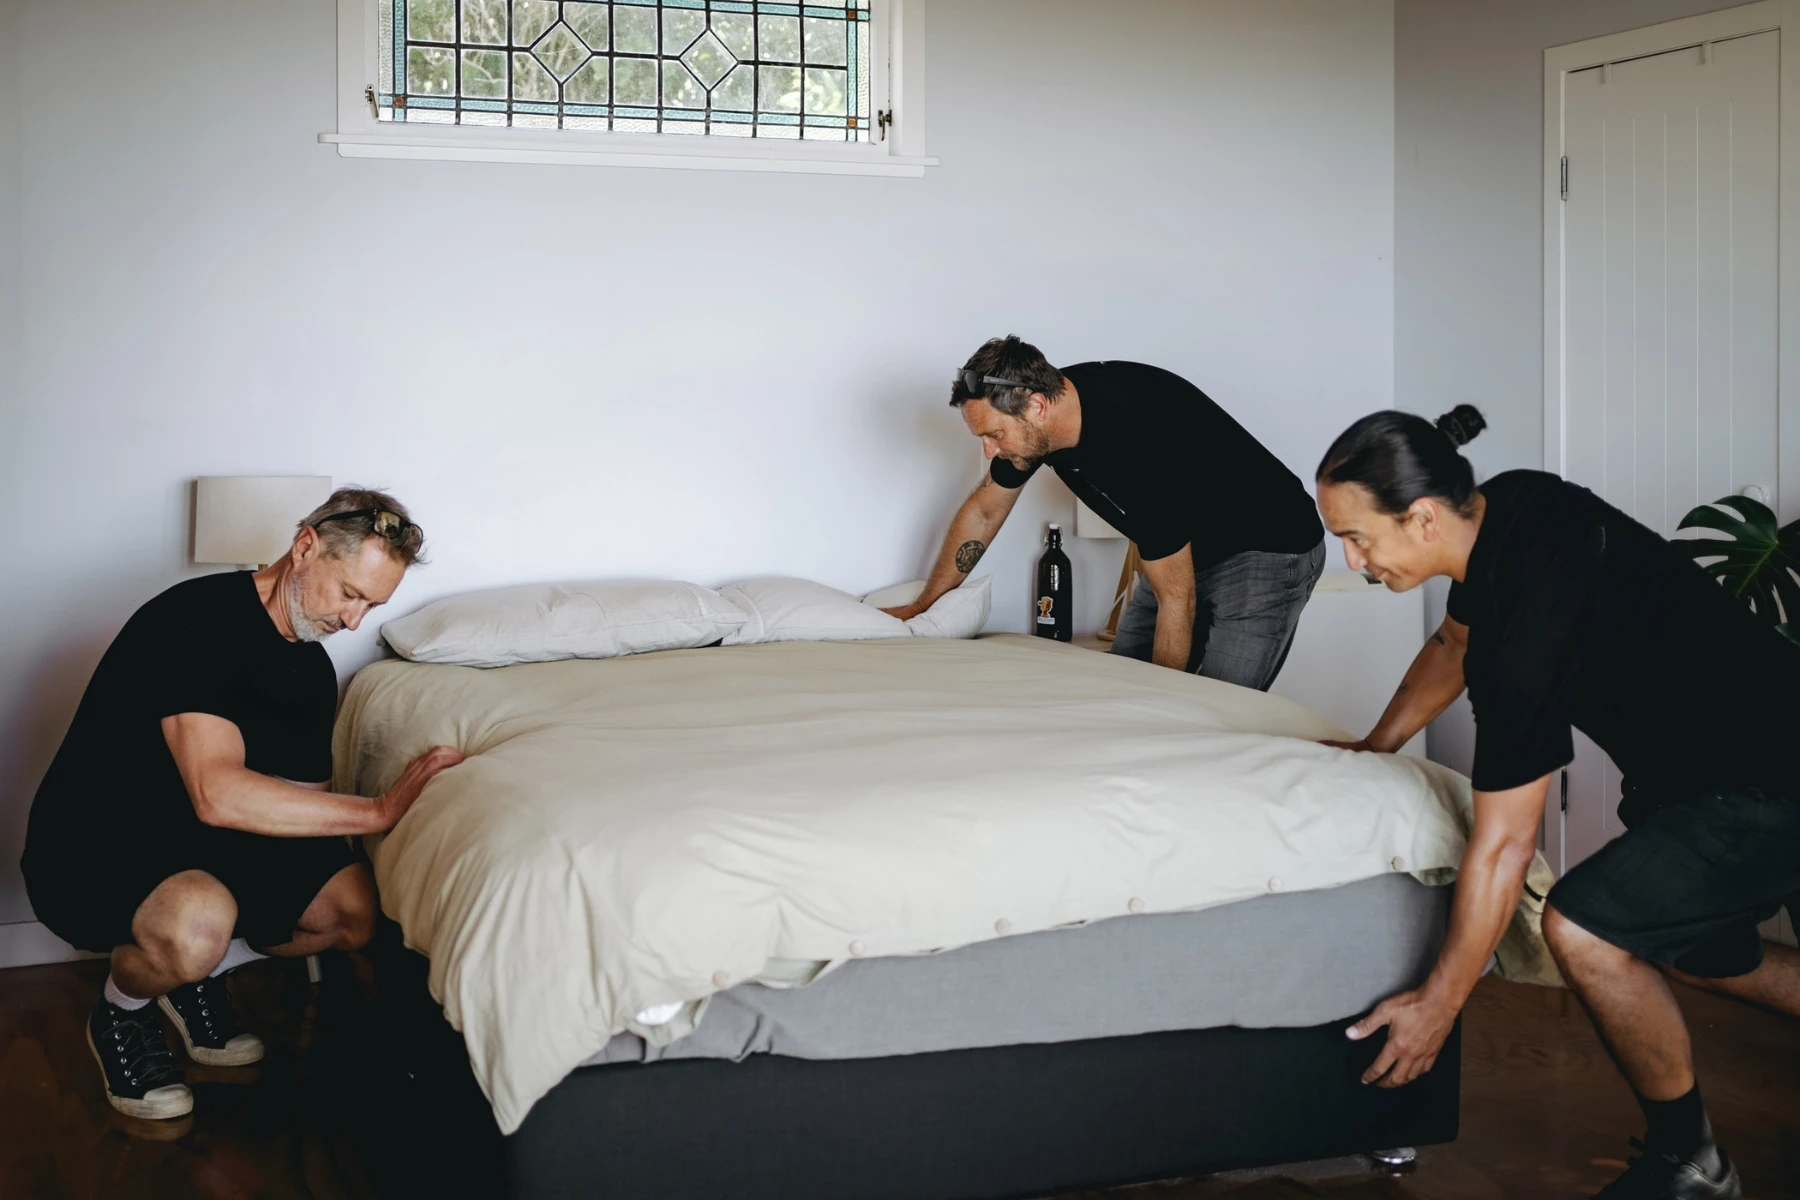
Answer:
[(206, 645), (1580, 616), (1167, 467)]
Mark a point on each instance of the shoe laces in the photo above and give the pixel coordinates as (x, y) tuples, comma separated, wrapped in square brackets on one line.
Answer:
[(140, 1050), (206, 1008)]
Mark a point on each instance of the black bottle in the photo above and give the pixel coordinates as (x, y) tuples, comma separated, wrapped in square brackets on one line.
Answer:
[(1052, 617)]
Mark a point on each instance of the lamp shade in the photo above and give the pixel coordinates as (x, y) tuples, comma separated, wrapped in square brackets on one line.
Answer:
[(251, 518), (1089, 525)]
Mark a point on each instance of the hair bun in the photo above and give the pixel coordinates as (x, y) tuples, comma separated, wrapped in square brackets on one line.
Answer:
[(1461, 424)]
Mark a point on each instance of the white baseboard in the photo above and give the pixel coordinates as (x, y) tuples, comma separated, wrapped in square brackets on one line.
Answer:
[(28, 943)]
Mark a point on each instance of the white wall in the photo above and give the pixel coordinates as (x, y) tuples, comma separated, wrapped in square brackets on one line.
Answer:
[(1469, 218), (595, 372)]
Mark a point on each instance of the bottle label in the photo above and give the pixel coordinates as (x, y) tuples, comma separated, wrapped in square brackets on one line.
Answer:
[(1046, 610)]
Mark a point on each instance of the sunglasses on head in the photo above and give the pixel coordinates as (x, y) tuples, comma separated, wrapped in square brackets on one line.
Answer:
[(976, 384), (390, 525)]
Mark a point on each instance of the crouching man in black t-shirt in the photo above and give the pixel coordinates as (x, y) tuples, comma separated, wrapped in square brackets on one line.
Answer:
[(186, 818), (1566, 613), (1230, 543)]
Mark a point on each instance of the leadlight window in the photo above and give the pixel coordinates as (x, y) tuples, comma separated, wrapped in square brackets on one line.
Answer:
[(732, 68)]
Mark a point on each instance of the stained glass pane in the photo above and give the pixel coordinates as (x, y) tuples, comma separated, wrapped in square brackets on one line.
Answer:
[(825, 42), (680, 88), (738, 92), (680, 27), (730, 68), (530, 19), (560, 51), (589, 85), (430, 71), (778, 89), (634, 82), (384, 46), (737, 31), (825, 91), (530, 81), (484, 22), (708, 60), (779, 38), (431, 20), (484, 74), (634, 30), (592, 23)]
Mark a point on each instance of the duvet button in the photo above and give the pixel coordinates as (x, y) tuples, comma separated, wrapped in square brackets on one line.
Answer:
[(1003, 926), (856, 949), (720, 979), (1275, 885), (1399, 864), (1135, 904)]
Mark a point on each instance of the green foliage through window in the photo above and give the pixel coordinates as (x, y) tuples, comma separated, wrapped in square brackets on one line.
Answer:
[(741, 68)]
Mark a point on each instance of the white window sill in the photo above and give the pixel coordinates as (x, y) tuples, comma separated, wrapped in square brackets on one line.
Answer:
[(468, 144)]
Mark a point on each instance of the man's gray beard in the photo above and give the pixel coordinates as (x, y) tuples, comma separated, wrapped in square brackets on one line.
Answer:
[(305, 628)]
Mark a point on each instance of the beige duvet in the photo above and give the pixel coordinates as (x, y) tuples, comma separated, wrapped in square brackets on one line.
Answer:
[(644, 831)]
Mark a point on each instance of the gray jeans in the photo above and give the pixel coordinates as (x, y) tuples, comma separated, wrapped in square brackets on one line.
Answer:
[(1246, 611)]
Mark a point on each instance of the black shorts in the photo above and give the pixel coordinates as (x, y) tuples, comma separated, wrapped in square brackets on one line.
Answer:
[(87, 892), (1688, 883)]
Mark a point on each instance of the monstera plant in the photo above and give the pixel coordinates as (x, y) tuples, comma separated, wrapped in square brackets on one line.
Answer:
[(1756, 561)]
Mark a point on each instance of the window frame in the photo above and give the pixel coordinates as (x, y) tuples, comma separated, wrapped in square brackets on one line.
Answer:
[(896, 64)]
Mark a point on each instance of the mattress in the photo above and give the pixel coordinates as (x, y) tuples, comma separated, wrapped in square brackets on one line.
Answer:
[(1293, 960), (634, 833)]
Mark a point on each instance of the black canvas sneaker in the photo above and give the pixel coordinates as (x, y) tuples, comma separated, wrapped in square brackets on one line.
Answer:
[(1655, 1176), (208, 1025), (141, 1077)]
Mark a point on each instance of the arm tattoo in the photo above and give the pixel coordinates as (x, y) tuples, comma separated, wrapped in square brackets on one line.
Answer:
[(967, 555), (1439, 639), (1403, 689)]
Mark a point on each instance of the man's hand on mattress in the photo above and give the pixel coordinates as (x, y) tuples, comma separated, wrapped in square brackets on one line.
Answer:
[(1417, 1024), (1360, 745), (394, 802)]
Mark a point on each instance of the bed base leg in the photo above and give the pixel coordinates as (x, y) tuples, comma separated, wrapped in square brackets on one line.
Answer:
[(1399, 1156)]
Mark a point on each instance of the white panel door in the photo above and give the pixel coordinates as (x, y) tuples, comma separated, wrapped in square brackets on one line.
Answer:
[(1670, 248)]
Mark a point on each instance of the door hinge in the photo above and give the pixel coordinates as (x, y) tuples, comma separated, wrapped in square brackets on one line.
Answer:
[(1565, 791), (883, 120), (1565, 177)]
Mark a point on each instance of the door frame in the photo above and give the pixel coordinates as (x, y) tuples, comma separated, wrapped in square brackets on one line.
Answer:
[(1559, 62)]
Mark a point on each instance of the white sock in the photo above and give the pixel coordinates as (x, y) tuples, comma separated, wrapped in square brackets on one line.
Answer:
[(119, 999), (236, 955)]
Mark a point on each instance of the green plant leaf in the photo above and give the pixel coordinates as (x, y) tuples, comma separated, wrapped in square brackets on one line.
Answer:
[(1757, 561)]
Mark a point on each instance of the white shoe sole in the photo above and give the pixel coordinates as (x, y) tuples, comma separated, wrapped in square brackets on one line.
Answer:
[(176, 1101), (241, 1057)]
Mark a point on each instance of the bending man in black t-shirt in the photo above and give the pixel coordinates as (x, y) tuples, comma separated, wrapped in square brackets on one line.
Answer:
[(1565, 612), (1229, 540), (186, 818)]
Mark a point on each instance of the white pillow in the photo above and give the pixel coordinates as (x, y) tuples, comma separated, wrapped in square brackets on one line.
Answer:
[(544, 622), (961, 612), (798, 610)]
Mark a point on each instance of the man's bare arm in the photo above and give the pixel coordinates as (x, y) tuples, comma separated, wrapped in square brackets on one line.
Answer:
[(1432, 684), (209, 752), (972, 530), (1172, 579), (1493, 871)]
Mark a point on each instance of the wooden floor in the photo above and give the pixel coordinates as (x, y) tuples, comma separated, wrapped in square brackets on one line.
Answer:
[(1544, 1113)]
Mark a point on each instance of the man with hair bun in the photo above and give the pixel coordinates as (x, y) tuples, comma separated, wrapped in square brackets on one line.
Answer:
[(1566, 613), (1228, 537), (186, 825)]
